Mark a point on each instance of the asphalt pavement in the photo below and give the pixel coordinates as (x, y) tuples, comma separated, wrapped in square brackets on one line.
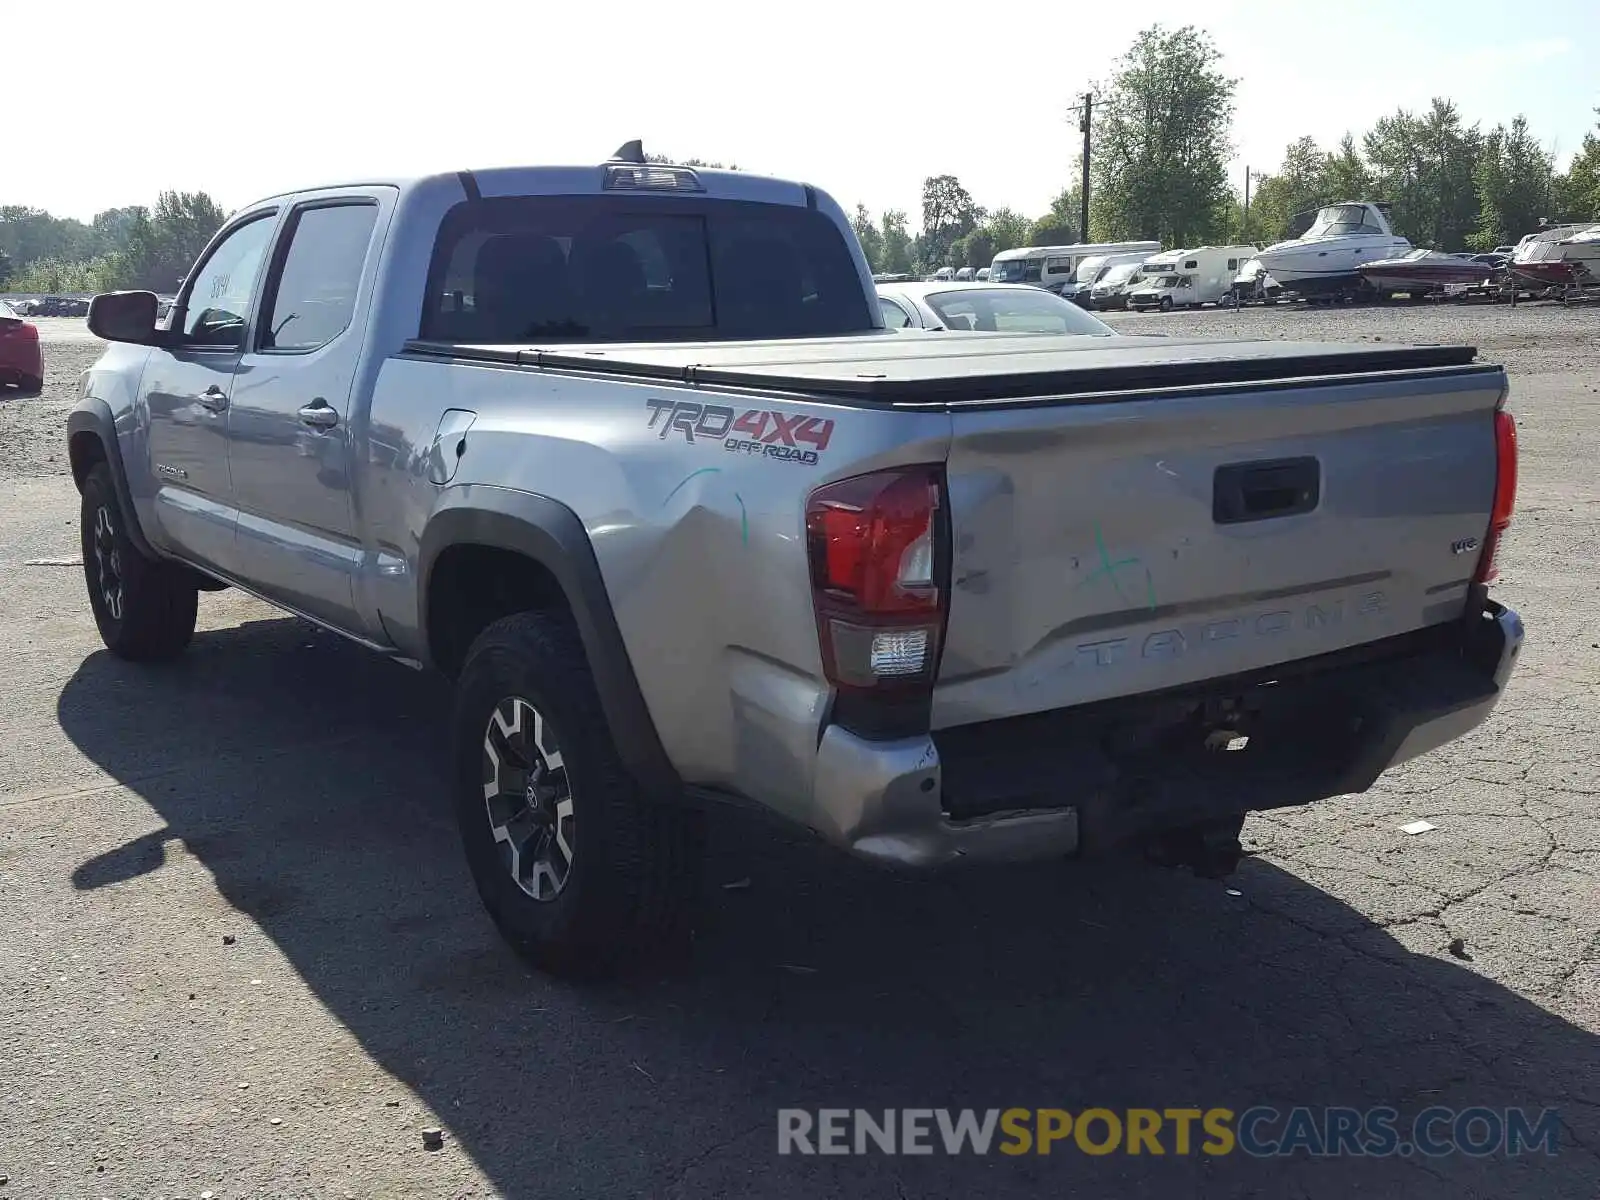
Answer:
[(240, 953)]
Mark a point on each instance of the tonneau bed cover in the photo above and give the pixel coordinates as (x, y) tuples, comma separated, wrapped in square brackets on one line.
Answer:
[(939, 368)]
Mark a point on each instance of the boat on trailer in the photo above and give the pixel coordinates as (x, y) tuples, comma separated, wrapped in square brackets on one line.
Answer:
[(1326, 259), (1424, 271), (1564, 257)]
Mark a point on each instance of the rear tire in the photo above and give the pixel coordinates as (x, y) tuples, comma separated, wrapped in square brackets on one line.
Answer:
[(1210, 849), (145, 608), (581, 871)]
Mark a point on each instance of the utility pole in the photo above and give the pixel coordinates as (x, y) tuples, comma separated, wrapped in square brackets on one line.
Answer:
[(1246, 236), (1085, 123)]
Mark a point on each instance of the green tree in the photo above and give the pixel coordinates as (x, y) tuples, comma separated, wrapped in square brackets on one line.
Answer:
[(69, 275), (978, 248), (1058, 226), (1345, 175), (1161, 140), (1005, 229), (896, 242), (1577, 192), (1300, 183), (1424, 167), (948, 213), (1513, 178), (870, 237), (113, 226), (27, 234), (162, 246)]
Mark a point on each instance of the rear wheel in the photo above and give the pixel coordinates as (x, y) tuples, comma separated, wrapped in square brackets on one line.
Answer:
[(580, 871), (145, 608)]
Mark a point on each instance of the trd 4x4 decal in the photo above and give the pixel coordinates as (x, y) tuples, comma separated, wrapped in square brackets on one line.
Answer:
[(765, 432)]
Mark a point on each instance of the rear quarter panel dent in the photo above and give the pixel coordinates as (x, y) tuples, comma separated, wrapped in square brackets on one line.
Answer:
[(702, 550)]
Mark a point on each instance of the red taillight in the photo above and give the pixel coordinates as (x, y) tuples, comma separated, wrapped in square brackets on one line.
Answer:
[(877, 558), (1505, 494)]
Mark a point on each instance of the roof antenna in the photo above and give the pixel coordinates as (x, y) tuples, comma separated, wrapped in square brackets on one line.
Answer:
[(630, 152)]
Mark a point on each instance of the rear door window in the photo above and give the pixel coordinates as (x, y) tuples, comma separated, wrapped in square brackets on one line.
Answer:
[(639, 268)]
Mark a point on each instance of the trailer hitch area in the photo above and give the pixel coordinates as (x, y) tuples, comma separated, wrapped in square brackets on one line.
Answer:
[(1210, 849), (1226, 739)]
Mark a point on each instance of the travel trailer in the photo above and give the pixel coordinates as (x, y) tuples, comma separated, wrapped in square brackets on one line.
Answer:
[(1052, 266)]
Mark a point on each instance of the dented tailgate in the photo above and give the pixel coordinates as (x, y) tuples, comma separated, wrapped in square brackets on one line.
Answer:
[(1107, 549)]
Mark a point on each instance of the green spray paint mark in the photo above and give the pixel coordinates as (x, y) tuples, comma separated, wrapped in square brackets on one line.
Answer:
[(1109, 569), (686, 479)]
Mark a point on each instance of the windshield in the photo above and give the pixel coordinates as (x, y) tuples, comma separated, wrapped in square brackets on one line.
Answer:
[(1012, 310), (1016, 270), (639, 268), (1090, 269), (1166, 281), (1116, 275), (1338, 219)]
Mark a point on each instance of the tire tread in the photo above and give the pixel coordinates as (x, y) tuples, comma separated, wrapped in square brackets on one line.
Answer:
[(638, 892), (160, 603)]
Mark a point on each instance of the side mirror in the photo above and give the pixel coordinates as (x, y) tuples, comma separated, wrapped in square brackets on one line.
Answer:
[(124, 317)]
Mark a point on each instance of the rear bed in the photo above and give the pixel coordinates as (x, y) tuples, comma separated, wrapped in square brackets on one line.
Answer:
[(1134, 514)]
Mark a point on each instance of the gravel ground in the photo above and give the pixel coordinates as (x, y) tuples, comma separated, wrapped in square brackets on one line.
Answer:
[(239, 953), (31, 441)]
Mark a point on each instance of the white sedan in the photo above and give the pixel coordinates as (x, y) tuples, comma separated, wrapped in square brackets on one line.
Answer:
[(1001, 307)]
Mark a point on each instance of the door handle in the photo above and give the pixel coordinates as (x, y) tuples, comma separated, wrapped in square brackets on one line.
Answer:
[(319, 414), (213, 398)]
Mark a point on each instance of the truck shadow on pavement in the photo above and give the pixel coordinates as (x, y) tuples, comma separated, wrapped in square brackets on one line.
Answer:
[(308, 777)]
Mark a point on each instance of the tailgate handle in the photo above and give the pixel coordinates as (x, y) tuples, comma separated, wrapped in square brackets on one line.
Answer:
[(1258, 491)]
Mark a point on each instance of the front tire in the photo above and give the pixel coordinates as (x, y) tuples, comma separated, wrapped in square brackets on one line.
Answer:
[(1166, 304), (145, 608), (581, 872)]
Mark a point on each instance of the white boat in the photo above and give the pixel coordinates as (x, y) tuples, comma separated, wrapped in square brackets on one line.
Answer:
[(1328, 257), (1566, 256)]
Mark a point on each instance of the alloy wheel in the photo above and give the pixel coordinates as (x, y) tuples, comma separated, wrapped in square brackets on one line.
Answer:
[(528, 798), (108, 562)]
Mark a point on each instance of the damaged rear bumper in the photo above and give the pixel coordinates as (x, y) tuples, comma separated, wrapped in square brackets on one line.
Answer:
[(1088, 779)]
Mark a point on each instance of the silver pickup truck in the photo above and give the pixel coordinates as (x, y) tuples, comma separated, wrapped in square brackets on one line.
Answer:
[(625, 451)]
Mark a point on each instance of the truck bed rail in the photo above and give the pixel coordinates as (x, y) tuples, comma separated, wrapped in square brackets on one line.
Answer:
[(903, 371)]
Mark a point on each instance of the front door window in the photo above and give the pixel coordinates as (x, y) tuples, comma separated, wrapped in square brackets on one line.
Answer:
[(220, 294)]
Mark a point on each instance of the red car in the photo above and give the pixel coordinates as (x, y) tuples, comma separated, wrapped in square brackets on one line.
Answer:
[(21, 362)]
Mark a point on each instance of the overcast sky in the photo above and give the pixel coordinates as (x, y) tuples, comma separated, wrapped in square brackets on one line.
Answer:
[(109, 101)]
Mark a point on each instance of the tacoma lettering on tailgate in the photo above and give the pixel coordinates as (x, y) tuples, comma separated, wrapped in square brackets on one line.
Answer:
[(1176, 643)]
